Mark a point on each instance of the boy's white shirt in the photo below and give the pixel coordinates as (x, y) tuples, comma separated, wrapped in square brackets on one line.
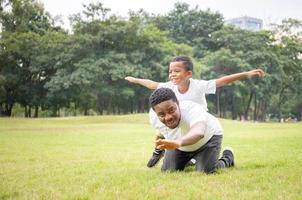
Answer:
[(196, 92), (191, 113)]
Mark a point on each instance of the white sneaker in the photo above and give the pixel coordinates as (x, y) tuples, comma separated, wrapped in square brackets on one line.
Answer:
[(192, 162)]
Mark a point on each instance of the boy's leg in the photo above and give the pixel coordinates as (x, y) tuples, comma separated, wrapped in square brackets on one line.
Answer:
[(207, 156), (175, 160)]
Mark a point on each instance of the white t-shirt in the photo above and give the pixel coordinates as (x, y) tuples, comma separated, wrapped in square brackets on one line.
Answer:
[(191, 113), (196, 92)]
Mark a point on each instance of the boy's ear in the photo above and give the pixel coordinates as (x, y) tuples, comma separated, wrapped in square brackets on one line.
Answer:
[(190, 73)]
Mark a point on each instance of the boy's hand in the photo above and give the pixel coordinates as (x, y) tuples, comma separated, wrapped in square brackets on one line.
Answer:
[(130, 79), (167, 144), (256, 72)]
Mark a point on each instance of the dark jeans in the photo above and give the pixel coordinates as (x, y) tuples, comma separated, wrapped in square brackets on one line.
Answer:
[(206, 157)]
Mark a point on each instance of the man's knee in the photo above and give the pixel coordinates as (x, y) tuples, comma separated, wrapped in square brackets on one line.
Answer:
[(208, 169), (167, 169), (171, 166)]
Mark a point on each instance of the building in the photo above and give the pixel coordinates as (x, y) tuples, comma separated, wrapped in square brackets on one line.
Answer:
[(248, 23)]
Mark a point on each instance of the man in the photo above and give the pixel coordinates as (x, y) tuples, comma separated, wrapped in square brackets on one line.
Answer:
[(189, 132)]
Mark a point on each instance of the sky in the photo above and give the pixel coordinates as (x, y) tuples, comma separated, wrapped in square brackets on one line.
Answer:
[(270, 11)]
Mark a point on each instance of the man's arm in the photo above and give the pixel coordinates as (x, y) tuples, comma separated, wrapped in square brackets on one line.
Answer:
[(144, 82), (157, 137), (195, 133), (234, 77)]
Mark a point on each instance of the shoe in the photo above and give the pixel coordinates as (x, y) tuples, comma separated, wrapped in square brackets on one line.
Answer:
[(155, 158), (192, 162), (228, 152)]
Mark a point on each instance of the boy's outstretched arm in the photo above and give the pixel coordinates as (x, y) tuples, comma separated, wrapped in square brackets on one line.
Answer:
[(234, 77), (152, 85)]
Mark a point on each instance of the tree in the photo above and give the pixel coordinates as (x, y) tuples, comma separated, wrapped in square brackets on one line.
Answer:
[(251, 50), (289, 48), (191, 26), (23, 24), (221, 63), (100, 53)]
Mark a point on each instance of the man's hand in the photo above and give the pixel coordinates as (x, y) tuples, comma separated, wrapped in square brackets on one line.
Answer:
[(130, 79), (256, 72), (167, 144), (155, 158)]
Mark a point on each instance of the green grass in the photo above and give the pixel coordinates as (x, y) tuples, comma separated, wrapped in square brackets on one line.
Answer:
[(105, 158)]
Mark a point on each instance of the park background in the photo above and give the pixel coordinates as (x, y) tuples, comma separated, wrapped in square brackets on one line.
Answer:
[(47, 70)]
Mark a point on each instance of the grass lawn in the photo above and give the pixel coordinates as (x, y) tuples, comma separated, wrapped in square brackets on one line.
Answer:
[(105, 158)]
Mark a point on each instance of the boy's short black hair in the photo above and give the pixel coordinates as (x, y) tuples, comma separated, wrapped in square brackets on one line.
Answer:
[(185, 60), (161, 95)]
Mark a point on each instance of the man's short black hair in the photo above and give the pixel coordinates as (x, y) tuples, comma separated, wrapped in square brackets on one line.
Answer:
[(161, 95), (185, 60)]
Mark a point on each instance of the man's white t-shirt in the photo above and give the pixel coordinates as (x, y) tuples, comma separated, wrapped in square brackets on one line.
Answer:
[(196, 92), (191, 113)]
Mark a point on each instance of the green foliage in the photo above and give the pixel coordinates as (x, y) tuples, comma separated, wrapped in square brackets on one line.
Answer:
[(43, 67), (258, 50), (191, 26), (24, 16)]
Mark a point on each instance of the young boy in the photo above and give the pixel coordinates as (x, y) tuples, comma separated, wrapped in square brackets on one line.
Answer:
[(186, 88), (189, 132)]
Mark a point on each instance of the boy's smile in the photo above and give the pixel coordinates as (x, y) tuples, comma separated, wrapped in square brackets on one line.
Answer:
[(178, 74)]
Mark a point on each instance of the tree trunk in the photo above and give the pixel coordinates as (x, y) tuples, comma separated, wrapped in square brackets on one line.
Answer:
[(8, 109), (29, 111), (100, 104), (36, 114), (224, 108), (234, 113), (109, 106), (75, 110), (259, 107), (142, 105), (279, 106), (246, 113), (225, 104), (263, 111), (54, 111), (255, 107), (131, 107), (85, 108), (118, 110), (25, 111), (218, 102)]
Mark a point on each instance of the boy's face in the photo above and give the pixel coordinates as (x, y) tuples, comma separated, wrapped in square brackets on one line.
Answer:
[(178, 73), (168, 113)]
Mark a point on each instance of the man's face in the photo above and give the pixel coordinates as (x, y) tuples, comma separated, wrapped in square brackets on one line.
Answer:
[(168, 113), (178, 73)]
